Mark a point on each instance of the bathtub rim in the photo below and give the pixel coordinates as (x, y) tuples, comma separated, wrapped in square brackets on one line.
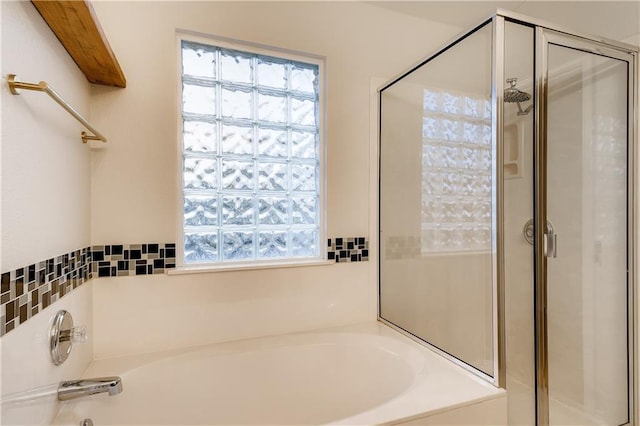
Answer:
[(396, 410)]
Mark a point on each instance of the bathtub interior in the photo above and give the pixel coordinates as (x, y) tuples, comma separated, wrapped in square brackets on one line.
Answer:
[(360, 374)]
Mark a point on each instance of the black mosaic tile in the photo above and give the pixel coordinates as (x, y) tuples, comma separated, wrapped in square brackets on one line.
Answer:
[(97, 256), (10, 310), (31, 274), (4, 282), (35, 299), (23, 313), (46, 300), (348, 249), (19, 286)]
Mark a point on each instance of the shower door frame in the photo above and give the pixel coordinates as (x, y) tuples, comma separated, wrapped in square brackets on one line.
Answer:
[(545, 36)]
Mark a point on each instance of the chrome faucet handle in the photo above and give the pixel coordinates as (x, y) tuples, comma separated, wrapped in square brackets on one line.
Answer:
[(75, 334), (63, 335)]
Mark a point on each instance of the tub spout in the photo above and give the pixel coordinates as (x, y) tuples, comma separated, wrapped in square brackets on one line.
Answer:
[(84, 387)]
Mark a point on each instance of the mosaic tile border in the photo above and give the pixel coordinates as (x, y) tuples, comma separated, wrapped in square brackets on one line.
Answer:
[(119, 260), (349, 249), (26, 291)]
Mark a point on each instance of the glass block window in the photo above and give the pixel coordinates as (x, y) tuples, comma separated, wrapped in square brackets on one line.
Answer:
[(251, 167), (456, 172)]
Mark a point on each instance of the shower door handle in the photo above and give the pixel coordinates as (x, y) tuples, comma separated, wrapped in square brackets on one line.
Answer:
[(551, 244)]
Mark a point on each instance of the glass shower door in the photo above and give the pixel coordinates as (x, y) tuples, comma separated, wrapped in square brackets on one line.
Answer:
[(587, 290)]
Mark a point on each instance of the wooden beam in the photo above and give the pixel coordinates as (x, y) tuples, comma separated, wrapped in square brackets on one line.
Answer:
[(76, 26)]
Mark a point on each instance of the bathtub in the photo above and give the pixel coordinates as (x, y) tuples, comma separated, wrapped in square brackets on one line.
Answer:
[(362, 374)]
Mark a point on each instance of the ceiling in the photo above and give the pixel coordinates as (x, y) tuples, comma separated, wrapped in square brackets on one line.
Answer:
[(617, 20)]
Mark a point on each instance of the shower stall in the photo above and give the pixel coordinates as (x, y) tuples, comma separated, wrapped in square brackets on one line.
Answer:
[(508, 219)]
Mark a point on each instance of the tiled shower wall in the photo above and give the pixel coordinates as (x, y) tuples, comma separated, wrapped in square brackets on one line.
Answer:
[(28, 290)]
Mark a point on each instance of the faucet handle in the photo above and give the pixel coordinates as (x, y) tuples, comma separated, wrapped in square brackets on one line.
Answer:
[(74, 334), (62, 336), (79, 334)]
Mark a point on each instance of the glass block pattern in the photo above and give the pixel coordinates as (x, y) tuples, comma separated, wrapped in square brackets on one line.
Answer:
[(251, 171), (28, 290), (456, 175), (118, 260), (609, 177)]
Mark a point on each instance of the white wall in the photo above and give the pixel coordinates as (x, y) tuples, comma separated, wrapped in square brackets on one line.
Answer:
[(45, 198), (134, 176), (45, 166)]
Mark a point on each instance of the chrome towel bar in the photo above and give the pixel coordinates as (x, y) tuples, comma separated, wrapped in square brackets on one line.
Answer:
[(43, 86)]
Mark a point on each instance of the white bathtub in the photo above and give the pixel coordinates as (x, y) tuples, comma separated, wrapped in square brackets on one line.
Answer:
[(364, 374)]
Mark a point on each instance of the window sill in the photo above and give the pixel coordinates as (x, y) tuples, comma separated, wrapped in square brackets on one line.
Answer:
[(185, 270)]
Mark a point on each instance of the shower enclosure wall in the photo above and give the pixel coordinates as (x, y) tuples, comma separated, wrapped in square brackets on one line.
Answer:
[(507, 218)]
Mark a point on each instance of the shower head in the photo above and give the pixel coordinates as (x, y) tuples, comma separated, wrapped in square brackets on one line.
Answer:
[(514, 95)]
